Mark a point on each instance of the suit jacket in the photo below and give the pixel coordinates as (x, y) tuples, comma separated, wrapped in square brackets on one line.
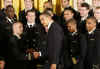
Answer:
[(82, 26), (16, 49), (36, 38), (4, 44), (2, 14), (16, 53), (91, 49), (55, 40), (98, 25), (5, 32), (72, 48), (93, 42), (31, 35)]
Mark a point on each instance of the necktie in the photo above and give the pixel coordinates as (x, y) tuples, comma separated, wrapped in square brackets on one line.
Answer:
[(30, 26)]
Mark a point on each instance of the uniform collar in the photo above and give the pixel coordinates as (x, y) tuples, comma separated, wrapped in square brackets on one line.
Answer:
[(73, 33), (31, 24), (83, 18), (98, 21), (92, 31)]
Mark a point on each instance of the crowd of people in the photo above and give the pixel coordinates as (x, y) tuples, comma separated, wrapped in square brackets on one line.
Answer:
[(49, 41)]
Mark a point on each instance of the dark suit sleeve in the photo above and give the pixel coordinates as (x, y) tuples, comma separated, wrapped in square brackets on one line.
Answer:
[(83, 50), (15, 51), (98, 44), (55, 44)]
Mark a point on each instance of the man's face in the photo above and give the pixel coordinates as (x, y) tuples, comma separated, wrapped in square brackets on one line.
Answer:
[(44, 20), (68, 15), (8, 2), (83, 11), (30, 17), (90, 25), (47, 5), (97, 14), (28, 4), (10, 12), (96, 3), (65, 3), (18, 29), (71, 27)]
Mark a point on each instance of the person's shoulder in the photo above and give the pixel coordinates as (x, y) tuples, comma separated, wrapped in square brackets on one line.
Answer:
[(97, 31), (22, 12), (13, 37), (57, 26)]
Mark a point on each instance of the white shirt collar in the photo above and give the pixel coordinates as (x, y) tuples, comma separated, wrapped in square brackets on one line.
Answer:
[(98, 21), (91, 31), (50, 24), (32, 24), (74, 33), (83, 18), (9, 20)]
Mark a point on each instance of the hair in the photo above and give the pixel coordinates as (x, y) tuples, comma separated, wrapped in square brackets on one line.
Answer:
[(97, 7), (85, 5), (9, 6), (92, 18), (49, 9), (46, 13), (32, 10), (70, 9), (71, 21)]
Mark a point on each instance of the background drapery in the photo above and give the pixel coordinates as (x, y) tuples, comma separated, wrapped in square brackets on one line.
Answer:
[(19, 5)]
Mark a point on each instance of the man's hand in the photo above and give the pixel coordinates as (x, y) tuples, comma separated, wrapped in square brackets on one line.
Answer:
[(36, 55), (53, 66), (30, 50), (2, 64)]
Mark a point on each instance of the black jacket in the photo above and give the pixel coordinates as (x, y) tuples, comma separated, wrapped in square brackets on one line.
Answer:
[(16, 53), (55, 40)]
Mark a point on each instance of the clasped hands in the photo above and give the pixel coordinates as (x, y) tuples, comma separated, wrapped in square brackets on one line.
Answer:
[(33, 52)]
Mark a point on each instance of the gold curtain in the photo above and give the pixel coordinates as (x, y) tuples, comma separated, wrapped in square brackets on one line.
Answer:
[(19, 5), (2, 4)]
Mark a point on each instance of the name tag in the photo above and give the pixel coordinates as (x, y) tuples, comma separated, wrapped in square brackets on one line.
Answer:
[(92, 39)]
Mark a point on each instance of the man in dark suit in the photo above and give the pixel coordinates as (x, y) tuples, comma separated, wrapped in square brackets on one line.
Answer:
[(54, 40), (28, 6), (92, 50), (8, 20), (5, 26), (84, 11), (2, 11), (32, 37), (16, 53), (2, 48), (72, 46)]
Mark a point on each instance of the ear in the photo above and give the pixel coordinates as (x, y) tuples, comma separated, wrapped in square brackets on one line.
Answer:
[(72, 14), (26, 16)]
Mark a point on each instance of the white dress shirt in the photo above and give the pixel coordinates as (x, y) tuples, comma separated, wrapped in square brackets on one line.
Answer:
[(50, 23)]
